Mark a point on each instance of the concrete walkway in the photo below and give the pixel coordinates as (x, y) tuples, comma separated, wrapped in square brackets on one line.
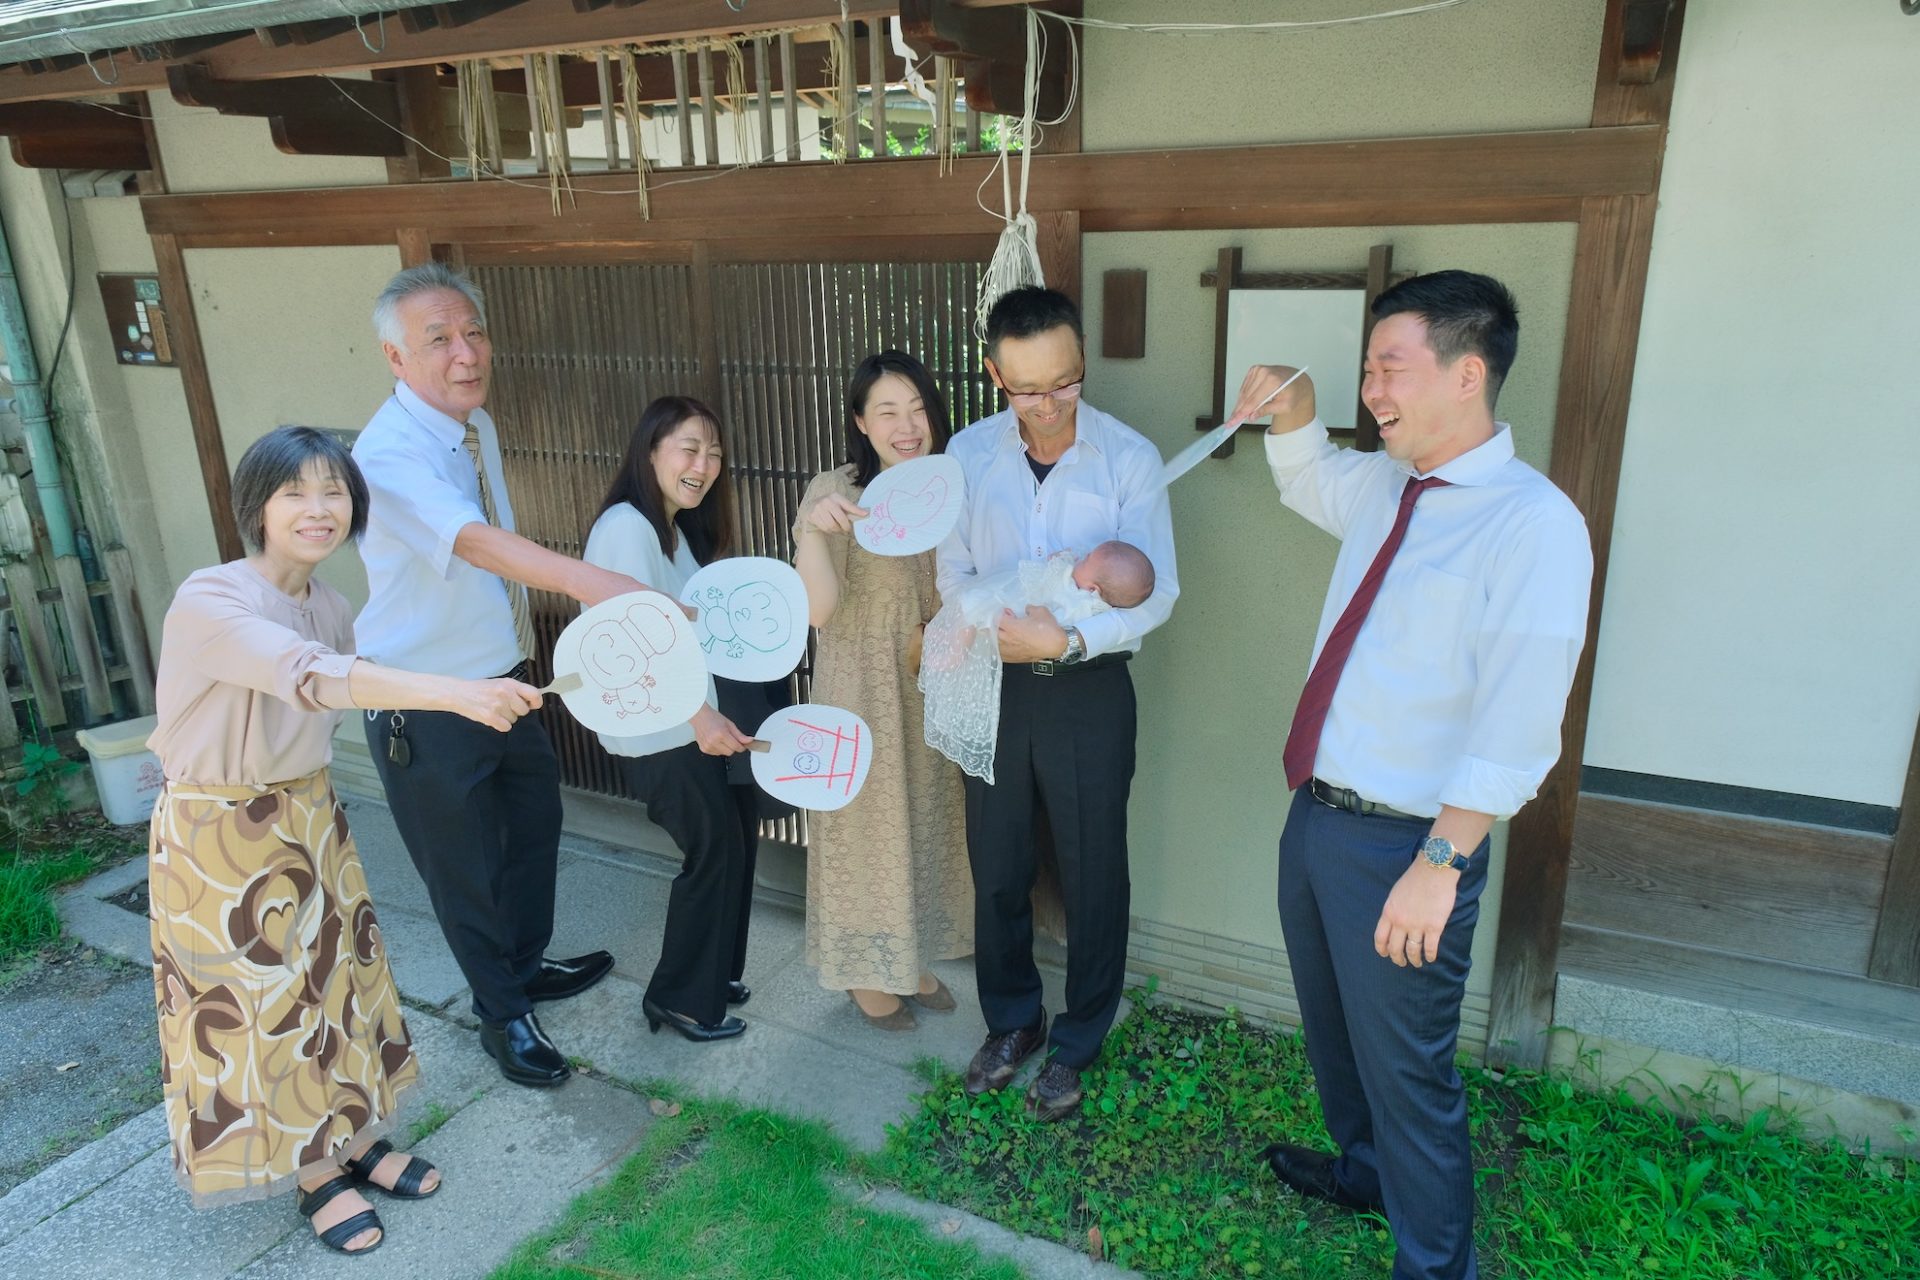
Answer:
[(513, 1157)]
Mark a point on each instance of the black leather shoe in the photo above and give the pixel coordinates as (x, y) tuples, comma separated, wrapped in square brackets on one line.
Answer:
[(1310, 1173), (738, 993), (1000, 1057), (725, 1029), (524, 1053), (560, 979), (1055, 1093)]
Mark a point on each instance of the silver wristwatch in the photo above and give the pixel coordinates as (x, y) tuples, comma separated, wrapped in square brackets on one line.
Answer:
[(1439, 852), (1076, 646)]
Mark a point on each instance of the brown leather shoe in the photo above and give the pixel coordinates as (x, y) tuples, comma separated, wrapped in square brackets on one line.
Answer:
[(994, 1065), (1055, 1093)]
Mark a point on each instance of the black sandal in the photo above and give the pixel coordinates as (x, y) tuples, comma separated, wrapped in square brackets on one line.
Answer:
[(336, 1236), (406, 1186)]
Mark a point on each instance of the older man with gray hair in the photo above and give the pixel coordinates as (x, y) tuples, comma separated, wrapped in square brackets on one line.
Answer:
[(448, 579)]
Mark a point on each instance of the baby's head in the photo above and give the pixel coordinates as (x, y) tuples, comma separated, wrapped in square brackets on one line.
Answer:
[(1118, 571)]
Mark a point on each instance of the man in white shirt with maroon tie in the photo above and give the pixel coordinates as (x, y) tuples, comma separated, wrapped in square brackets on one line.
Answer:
[(1445, 652)]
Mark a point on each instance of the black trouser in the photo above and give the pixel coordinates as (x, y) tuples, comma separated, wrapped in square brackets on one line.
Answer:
[(1381, 1038), (479, 811), (717, 827), (1066, 747)]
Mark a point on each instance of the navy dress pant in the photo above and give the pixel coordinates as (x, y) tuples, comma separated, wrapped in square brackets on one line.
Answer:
[(1381, 1038), (1065, 750), (479, 812)]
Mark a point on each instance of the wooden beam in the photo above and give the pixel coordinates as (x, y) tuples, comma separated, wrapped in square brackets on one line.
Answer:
[(192, 359), (313, 115), (533, 26), (1590, 426), (1896, 938), (73, 135), (1411, 181)]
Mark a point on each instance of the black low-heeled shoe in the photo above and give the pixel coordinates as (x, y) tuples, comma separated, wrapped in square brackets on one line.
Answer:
[(724, 1029), (738, 993), (406, 1186), (336, 1236)]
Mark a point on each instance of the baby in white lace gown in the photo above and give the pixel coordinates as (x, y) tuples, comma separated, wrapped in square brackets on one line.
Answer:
[(960, 657)]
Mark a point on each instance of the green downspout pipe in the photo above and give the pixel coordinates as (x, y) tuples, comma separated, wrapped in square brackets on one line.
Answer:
[(30, 402)]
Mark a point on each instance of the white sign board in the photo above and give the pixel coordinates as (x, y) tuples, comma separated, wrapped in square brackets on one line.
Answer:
[(912, 506), (753, 617), (639, 665), (1300, 327), (816, 756)]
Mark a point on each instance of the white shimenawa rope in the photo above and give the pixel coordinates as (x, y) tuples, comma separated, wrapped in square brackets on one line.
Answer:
[(1016, 258), (1217, 28)]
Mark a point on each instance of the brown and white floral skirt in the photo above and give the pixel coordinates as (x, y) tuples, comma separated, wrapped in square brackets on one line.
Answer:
[(281, 1036)]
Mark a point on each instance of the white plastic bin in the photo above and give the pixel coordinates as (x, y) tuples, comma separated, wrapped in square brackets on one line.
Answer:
[(125, 773)]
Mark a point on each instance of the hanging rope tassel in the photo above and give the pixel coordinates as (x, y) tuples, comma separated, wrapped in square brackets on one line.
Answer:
[(1016, 258), (630, 95)]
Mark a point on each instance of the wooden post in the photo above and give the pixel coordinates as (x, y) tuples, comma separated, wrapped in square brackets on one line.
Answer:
[(877, 81), (709, 106), (43, 674), (1366, 431), (763, 73), (83, 639), (789, 78), (683, 106), (609, 114), (1896, 938), (184, 329), (1590, 423)]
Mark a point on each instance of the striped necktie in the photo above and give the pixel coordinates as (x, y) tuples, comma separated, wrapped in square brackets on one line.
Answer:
[(516, 592)]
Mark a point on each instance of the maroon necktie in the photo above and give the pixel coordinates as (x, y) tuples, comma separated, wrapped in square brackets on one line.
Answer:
[(1303, 739)]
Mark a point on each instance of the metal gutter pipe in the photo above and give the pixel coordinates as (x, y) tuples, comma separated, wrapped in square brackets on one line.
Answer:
[(30, 403)]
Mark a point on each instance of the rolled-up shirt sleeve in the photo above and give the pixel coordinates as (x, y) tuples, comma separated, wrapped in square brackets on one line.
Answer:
[(1145, 521), (230, 642), (1528, 647), (417, 505)]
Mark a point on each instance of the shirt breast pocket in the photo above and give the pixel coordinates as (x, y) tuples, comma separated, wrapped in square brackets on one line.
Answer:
[(1087, 520), (1438, 612)]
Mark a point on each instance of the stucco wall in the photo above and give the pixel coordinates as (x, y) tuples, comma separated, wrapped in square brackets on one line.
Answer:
[(1483, 66), (1761, 602)]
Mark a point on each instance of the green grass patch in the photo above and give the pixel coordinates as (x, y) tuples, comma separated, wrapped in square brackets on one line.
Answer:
[(35, 861), (720, 1193), (1165, 1161)]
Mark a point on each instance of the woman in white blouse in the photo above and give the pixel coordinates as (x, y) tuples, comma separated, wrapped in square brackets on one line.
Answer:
[(668, 512)]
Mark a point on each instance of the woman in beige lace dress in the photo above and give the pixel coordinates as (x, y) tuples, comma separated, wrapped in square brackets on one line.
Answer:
[(888, 888)]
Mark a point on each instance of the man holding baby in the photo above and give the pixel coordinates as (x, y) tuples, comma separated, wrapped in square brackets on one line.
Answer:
[(1051, 474)]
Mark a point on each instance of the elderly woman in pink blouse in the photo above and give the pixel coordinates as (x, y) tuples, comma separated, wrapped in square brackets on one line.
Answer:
[(284, 1049)]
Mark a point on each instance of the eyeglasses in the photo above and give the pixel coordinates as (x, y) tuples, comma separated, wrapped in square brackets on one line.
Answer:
[(1028, 399)]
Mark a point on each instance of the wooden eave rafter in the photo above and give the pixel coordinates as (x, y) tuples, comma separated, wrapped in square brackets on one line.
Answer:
[(579, 78), (531, 26), (312, 115), (74, 135), (1541, 176)]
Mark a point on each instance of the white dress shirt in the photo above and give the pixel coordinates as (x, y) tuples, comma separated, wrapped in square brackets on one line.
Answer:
[(1105, 487), (624, 541), (1457, 682), (427, 609)]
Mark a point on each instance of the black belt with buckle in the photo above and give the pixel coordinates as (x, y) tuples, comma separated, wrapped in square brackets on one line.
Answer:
[(1055, 667), (522, 671), (1353, 802)]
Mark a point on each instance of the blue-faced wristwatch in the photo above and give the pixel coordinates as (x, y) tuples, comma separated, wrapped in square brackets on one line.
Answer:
[(1439, 852)]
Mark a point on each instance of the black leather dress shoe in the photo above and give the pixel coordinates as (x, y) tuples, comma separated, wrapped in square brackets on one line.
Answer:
[(1310, 1173), (738, 993), (1000, 1057), (559, 979), (725, 1029), (524, 1053)]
